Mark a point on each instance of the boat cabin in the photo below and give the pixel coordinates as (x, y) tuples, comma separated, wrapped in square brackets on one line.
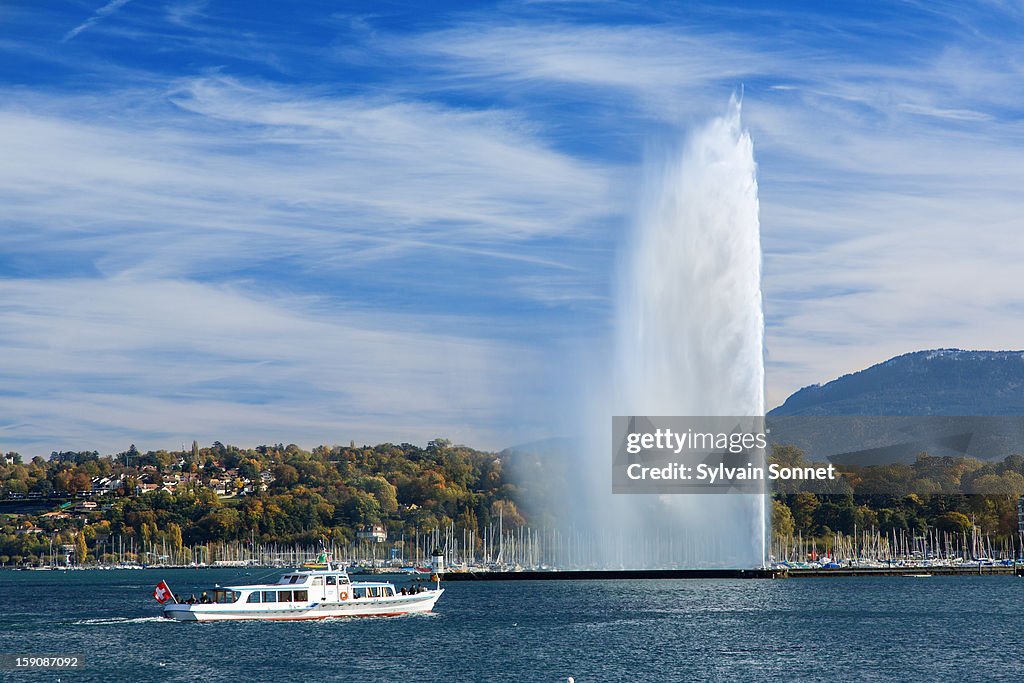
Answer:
[(325, 585), (278, 596), (372, 590)]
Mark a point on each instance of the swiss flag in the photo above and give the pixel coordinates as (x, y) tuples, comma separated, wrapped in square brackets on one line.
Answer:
[(163, 593)]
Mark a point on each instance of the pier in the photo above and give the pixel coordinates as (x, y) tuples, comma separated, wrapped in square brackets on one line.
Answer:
[(771, 573), (617, 574)]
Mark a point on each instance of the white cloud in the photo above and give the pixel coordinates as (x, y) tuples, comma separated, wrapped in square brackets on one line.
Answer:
[(257, 168), (103, 12), (889, 195), (101, 363), (152, 194), (889, 182)]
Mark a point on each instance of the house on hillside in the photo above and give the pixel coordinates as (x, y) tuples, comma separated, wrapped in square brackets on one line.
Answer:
[(375, 533)]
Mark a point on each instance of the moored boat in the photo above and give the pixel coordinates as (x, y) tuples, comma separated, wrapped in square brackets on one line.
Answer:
[(300, 595)]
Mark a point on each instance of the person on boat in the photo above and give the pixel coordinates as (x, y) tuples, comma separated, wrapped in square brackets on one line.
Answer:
[(206, 598), (403, 590)]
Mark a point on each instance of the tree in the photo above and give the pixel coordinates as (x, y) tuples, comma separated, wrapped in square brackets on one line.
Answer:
[(383, 491), (222, 524), (285, 475), (438, 444), (1010, 484), (954, 522), (787, 456), (174, 537), (509, 513), (805, 505), (80, 482), (81, 550), (363, 508), (782, 520), (468, 521), (249, 469)]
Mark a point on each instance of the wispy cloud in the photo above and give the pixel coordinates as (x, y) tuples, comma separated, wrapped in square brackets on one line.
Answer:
[(252, 162), (887, 180), (363, 226), (187, 233), (160, 361), (100, 14)]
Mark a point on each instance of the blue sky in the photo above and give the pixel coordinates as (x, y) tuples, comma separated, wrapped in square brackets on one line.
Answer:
[(251, 223)]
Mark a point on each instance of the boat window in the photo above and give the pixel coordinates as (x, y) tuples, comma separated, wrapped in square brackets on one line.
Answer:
[(318, 580), (254, 597), (223, 596), (294, 579), (332, 580), (359, 592), (390, 590), (300, 596), (284, 596), (269, 596)]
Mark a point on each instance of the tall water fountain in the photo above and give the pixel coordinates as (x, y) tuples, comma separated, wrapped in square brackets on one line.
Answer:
[(689, 335), (690, 321), (690, 332)]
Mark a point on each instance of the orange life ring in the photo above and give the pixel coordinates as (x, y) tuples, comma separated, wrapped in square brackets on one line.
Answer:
[(343, 595)]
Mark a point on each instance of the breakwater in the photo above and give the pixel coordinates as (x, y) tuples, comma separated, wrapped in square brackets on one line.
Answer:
[(772, 573)]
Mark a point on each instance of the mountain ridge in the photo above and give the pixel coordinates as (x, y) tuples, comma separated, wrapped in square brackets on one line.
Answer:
[(928, 382)]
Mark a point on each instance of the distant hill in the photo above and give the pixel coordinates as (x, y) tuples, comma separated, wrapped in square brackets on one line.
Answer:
[(944, 402), (939, 382)]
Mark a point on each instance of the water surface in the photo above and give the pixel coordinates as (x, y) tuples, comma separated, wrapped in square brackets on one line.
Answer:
[(864, 629)]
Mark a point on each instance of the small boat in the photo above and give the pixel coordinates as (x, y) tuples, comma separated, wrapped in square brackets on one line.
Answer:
[(916, 576), (300, 595)]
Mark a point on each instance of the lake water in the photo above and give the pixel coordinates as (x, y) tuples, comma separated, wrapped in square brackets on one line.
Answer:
[(864, 629)]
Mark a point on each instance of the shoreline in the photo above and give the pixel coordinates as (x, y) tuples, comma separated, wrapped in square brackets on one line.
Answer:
[(632, 574)]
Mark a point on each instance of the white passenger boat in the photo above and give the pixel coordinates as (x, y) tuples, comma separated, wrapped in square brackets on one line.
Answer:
[(301, 594)]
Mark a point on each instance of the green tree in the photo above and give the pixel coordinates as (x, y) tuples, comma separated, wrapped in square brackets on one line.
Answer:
[(954, 522), (383, 491), (285, 476), (805, 506), (174, 537), (81, 550), (782, 520)]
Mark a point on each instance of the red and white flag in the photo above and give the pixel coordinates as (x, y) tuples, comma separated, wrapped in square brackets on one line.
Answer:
[(163, 593)]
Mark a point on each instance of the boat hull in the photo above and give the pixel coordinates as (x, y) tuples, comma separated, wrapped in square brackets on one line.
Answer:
[(368, 607)]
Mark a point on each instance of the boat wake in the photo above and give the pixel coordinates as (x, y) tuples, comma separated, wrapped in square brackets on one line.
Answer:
[(118, 620), (373, 617)]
